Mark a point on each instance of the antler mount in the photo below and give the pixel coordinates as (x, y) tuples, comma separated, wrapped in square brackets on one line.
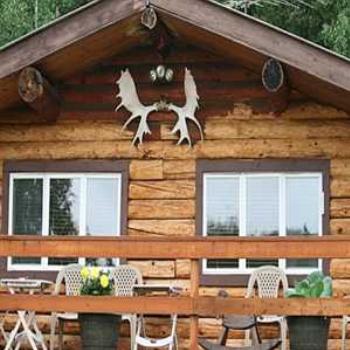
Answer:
[(131, 102)]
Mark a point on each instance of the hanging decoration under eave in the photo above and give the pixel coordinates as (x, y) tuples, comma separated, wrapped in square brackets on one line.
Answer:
[(131, 102)]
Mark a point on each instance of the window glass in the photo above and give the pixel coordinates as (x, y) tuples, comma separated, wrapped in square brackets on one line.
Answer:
[(222, 206), (242, 204), (27, 211), (64, 212), (262, 212), (262, 206), (102, 217), (102, 207), (45, 204), (302, 212)]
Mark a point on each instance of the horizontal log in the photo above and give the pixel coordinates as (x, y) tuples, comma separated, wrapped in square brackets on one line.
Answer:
[(82, 131), (179, 169), (146, 170), (341, 287), (37, 92), (165, 189), (340, 226), (221, 129), (161, 209), (182, 268), (161, 227), (201, 306), (177, 247), (202, 71), (215, 128), (214, 149), (155, 268), (340, 208), (340, 187), (340, 168), (340, 268)]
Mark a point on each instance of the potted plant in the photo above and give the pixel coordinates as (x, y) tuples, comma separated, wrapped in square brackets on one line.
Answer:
[(310, 332), (98, 331)]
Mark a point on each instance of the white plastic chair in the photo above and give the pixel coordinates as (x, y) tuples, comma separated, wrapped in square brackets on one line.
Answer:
[(266, 282), (346, 320), (169, 341), (73, 283), (125, 277), (2, 326)]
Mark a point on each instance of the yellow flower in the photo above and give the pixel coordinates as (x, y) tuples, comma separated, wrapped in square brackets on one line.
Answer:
[(85, 273), (104, 280), (95, 272)]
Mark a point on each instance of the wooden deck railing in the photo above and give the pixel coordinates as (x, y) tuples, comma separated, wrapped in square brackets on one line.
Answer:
[(194, 249)]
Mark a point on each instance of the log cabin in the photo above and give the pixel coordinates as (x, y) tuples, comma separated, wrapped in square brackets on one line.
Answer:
[(247, 133)]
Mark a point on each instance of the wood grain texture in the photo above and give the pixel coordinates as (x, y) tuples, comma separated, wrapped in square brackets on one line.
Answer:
[(161, 227), (329, 246), (155, 269), (165, 189), (161, 209), (146, 169)]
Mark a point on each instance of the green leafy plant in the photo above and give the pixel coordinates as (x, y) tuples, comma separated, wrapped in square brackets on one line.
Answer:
[(316, 285), (96, 281)]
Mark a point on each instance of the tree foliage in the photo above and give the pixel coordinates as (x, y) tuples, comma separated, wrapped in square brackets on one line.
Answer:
[(19, 17), (325, 22)]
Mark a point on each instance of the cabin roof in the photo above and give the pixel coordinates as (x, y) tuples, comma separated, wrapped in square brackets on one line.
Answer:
[(108, 27)]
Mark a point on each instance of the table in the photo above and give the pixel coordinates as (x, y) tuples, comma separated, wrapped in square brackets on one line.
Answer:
[(26, 319)]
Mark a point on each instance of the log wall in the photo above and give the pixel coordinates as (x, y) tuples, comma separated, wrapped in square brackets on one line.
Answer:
[(239, 122)]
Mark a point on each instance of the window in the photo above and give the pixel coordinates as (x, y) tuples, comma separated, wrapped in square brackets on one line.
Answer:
[(65, 203), (262, 198)]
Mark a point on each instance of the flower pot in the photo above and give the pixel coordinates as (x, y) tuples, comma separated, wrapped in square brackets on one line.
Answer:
[(308, 332), (99, 331)]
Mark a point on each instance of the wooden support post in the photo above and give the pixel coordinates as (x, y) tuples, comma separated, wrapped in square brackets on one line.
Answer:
[(194, 294), (36, 91)]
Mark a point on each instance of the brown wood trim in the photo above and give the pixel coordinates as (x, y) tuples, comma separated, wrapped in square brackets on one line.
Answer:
[(259, 165), (178, 247), (261, 37), (203, 306), (61, 166), (64, 32)]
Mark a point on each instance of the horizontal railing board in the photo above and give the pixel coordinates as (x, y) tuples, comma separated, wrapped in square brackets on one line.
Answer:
[(177, 247), (201, 306)]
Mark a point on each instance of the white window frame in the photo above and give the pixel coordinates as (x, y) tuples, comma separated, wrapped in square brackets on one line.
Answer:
[(46, 177), (243, 176)]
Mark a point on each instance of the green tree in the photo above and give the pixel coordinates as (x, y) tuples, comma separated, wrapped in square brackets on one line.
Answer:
[(19, 17), (325, 22)]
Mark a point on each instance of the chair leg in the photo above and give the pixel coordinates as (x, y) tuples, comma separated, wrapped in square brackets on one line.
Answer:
[(343, 339), (53, 322), (133, 325), (247, 341), (283, 330), (60, 334)]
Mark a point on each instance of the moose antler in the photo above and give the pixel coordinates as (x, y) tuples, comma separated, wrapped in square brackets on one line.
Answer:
[(187, 111), (131, 102)]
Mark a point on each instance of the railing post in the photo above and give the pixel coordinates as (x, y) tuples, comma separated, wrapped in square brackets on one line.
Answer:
[(194, 294)]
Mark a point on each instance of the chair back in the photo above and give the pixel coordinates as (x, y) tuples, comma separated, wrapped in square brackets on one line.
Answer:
[(124, 278), (267, 280), (71, 276)]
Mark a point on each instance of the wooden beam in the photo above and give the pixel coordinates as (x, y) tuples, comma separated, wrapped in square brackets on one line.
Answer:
[(37, 92), (313, 70), (177, 247), (72, 43), (261, 37), (194, 322), (184, 305)]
